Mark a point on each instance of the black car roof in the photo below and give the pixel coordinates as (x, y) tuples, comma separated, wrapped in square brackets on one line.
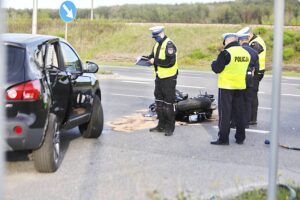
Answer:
[(26, 39)]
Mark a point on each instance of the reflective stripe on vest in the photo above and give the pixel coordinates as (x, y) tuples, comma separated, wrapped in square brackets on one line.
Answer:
[(234, 74), (161, 71), (262, 55)]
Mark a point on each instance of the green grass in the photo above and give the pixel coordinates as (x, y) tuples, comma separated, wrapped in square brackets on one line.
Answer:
[(117, 43), (259, 194), (282, 194)]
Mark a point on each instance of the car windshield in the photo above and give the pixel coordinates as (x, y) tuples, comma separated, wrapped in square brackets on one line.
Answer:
[(15, 60)]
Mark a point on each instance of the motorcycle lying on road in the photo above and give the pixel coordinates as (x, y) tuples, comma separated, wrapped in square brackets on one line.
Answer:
[(194, 109)]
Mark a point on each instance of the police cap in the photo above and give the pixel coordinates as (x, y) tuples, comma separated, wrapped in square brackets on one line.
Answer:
[(229, 35), (155, 30), (246, 30), (243, 36)]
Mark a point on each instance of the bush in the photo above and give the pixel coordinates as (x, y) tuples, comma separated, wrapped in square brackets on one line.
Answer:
[(297, 37), (287, 39), (288, 53), (260, 30), (197, 54), (297, 46)]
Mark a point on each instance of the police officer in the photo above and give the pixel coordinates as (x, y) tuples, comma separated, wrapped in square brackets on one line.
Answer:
[(258, 44), (231, 66), (164, 59), (252, 68)]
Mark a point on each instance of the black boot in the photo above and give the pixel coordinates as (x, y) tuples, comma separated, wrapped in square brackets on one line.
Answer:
[(157, 129), (168, 133), (170, 119)]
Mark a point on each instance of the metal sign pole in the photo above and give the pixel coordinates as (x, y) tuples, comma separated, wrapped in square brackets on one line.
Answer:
[(276, 90), (2, 119), (92, 10), (34, 17), (66, 31)]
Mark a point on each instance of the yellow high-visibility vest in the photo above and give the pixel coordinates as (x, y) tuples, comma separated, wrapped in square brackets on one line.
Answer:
[(161, 71), (233, 76), (262, 55)]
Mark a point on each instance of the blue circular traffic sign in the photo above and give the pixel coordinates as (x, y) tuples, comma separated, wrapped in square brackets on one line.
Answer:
[(67, 11)]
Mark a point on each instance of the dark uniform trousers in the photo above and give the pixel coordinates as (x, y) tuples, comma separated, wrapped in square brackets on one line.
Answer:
[(165, 97), (248, 104), (254, 107), (231, 101)]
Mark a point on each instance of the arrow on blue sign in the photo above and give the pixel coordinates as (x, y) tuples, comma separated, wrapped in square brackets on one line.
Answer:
[(67, 11)]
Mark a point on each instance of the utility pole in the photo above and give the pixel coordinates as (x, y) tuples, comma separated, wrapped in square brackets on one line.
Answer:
[(2, 118), (92, 10), (276, 90), (34, 17)]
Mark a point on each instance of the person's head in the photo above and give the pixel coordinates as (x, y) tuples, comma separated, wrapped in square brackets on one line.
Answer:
[(246, 30), (243, 38), (158, 33), (229, 38)]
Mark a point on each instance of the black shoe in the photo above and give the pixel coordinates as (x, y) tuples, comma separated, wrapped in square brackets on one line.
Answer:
[(219, 142), (157, 129), (239, 142), (252, 122), (168, 133)]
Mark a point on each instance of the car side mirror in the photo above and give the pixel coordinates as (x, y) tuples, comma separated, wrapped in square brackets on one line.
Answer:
[(90, 67)]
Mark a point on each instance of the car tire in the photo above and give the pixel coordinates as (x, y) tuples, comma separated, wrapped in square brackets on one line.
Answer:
[(46, 158), (194, 104), (94, 127)]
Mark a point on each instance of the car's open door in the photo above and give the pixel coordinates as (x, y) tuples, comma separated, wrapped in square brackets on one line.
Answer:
[(59, 80)]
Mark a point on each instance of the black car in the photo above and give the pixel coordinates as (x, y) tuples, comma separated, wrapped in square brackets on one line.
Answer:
[(48, 90)]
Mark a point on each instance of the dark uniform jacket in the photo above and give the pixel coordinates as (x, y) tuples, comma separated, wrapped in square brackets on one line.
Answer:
[(258, 48), (254, 64)]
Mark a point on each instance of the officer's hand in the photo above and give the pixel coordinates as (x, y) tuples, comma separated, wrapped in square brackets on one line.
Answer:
[(151, 61), (253, 72)]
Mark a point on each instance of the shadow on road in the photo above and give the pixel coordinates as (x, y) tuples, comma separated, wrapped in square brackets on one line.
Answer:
[(17, 160)]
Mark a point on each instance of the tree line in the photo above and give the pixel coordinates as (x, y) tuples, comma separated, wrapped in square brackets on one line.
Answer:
[(233, 12)]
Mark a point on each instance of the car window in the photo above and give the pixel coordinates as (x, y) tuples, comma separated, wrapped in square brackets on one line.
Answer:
[(71, 60), (15, 62), (51, 56)]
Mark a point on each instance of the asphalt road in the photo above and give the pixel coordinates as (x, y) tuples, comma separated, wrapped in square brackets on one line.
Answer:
[(131, 165)]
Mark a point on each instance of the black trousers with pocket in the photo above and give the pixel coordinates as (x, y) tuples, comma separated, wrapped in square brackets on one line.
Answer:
[(231, 102), (165, 98)]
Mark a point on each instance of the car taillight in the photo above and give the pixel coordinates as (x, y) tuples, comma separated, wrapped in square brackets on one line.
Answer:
[(26, 91)]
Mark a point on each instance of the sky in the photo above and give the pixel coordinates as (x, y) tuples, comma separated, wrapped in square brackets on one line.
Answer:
[(21, 4)]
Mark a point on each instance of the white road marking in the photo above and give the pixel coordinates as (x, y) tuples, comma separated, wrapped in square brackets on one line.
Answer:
[(137, 82), (291, 78), (188, 86), (265, 108), (291, 84), (147, 83), (251, 130), (128, 95), (129, 78), (291, 95)]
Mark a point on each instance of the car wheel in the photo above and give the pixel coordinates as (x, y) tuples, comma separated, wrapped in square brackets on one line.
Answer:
[(94, 127), (194, 104), (46, 158)]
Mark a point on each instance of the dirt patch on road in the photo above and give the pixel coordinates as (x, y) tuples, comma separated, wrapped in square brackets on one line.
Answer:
[(138, 121), (133, 122)]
